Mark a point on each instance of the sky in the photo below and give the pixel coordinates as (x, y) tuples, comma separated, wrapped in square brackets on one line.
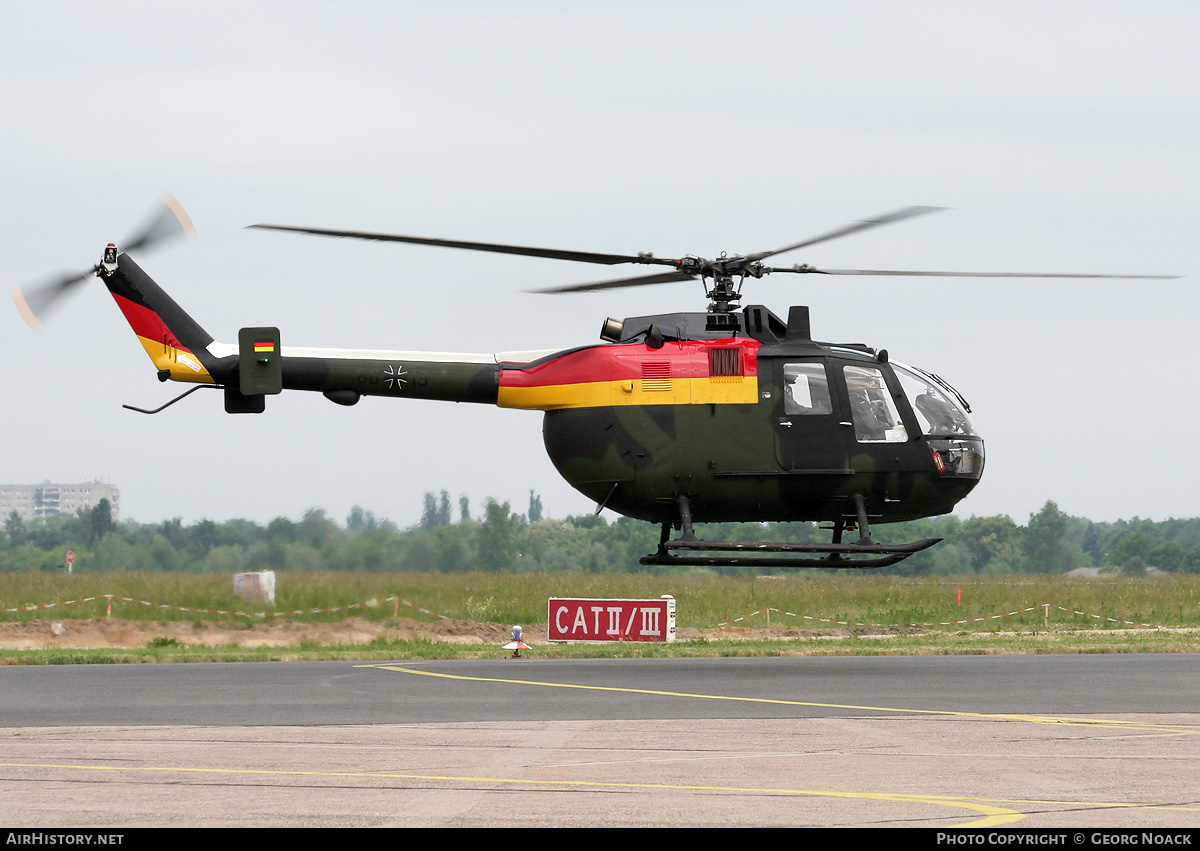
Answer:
[(1060, 136)]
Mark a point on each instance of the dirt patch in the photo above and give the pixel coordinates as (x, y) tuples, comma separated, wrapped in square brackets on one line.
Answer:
[(279, 632)]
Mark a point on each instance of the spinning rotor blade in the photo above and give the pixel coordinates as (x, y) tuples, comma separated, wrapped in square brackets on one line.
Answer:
[(636, 281), (168, 221), (811, 270), (886, 219), (496, 248), (690, 268), (37, 301)]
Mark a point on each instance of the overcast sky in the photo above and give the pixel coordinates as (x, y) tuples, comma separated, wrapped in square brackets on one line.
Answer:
[(1063, 136)]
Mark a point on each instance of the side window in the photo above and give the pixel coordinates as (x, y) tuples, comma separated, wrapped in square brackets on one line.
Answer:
[(805, 389), (872, 407)]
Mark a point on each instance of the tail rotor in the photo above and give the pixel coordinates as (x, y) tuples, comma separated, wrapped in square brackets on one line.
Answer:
[(36, 302)]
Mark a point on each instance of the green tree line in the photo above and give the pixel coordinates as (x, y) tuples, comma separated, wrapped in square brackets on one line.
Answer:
[(500, 539)]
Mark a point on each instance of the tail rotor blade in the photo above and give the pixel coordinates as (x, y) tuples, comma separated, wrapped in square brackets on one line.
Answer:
[(168, 221), (36, 302)]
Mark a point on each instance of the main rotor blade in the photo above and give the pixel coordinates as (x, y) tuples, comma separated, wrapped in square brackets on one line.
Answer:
[(661, 278), (811, 270), (36, 302), (886, 219), (169, 220), (497, 248)]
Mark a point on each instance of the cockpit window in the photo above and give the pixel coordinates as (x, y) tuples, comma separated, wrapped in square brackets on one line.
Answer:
[(872, 407), (938, 412), (805, 389)]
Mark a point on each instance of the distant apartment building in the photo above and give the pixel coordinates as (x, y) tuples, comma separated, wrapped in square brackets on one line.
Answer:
[(45, 500)]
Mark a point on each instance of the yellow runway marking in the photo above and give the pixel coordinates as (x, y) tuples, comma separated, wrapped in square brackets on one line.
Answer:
[(1136, 726), (993, 816)]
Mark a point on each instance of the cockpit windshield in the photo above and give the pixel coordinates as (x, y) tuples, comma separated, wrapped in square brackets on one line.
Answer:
[(940, 411)]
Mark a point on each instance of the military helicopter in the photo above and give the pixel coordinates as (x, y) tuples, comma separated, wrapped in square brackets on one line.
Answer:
[(731, 414)]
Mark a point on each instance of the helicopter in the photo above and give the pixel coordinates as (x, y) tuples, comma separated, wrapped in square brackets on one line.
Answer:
[(731, 414)]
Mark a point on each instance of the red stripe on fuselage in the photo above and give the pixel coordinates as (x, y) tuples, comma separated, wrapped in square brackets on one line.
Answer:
[(624, 362), (148, 324)]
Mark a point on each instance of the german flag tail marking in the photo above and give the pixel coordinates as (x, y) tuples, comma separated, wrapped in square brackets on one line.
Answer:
[(176, 344)]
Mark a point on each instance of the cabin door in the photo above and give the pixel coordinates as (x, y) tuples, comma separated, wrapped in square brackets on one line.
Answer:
[(812, 429)]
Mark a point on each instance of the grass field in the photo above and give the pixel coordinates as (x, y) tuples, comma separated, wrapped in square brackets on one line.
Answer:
[(939, 644), (703, 601)]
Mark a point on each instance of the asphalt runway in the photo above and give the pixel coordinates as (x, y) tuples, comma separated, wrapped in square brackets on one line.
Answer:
[(994, 741)]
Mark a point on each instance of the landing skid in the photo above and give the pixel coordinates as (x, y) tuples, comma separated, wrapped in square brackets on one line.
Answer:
[(835, 555), (862, 554)]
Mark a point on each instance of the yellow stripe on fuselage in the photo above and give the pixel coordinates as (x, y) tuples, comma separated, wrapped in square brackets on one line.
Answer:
[(183, 366), (598, 394)]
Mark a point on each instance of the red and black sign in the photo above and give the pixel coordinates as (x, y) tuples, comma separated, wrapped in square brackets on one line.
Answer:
[(611, 620)]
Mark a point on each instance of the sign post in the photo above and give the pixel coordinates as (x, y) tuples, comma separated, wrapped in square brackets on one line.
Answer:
[(611, 620)]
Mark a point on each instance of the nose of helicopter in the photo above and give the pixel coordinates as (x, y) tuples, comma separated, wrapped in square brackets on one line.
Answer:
[(963, 458)]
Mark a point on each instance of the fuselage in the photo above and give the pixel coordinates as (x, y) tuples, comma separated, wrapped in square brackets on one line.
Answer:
[(762, 425)]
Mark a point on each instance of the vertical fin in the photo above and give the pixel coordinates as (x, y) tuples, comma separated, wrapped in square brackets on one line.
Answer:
[(176, 344)]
